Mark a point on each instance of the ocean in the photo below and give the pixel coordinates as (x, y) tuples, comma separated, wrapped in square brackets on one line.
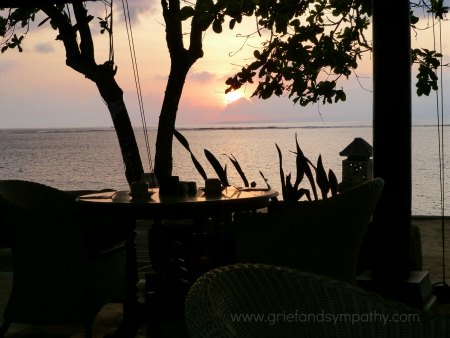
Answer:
[(78, 159)]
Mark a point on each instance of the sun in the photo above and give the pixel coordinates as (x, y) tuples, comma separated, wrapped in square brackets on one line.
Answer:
[(233, 96)]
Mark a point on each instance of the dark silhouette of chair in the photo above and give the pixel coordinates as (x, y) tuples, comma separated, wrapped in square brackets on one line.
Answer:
[(322, 236), (61, 274), (4, 238), (254, 300)]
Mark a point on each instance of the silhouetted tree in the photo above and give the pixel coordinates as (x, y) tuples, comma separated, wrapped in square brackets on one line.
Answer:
[(314, 43), (203, 14), (311, 45), (77, 39)]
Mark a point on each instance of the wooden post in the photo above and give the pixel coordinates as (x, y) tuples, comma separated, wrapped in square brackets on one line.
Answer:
[(392, 138)]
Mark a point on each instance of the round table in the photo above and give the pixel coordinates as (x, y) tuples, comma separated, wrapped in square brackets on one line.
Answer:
[(180, 205), (156, 207)]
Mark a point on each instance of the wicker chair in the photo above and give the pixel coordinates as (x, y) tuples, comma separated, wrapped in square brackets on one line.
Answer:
[(61, 274), (321, 236), (254, 300)]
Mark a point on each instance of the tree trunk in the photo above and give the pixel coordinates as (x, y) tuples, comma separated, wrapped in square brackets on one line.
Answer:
[(127, 141), (113, 96), (181, 61), (167, 118), (80, 57)]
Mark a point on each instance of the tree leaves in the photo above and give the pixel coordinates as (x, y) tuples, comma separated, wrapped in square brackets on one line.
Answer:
[(308, 52), (3, 25), (217, 24), (105, 24), (304, 43), (14, 43), (43, 21), (185, 13), (428, 62)]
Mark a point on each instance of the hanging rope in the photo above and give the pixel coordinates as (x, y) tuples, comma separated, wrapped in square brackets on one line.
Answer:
[(111, 40), (440, 130), (126, 13)]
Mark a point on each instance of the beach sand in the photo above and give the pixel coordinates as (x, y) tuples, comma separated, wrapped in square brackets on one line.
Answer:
[(431, 241)]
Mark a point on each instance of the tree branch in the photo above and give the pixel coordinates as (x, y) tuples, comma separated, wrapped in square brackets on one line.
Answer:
[(35, 3), (196, 37), (68, 36), (86, 44), (174, 32)]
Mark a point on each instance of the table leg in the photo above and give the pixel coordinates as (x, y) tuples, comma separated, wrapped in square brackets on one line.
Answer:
[(223, 242), (167, 286), (133, 310)]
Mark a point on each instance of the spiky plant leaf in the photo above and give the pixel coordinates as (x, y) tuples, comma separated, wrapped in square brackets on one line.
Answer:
[(225, 173), (283, 182), (185, 144), (221, 173), (300, 165), (265, 180), (321, 178), (302, 192), (307, 170), (291, 192), (333, 182), (308, 195), (181, 139), (238, 169), (199, 167)]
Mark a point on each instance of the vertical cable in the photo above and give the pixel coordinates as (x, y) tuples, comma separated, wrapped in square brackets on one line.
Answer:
[(126, 13), (440, 130), (111, 40), (442, 153)]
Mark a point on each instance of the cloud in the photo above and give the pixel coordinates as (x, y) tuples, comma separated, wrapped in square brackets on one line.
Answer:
[(193, 77), (201, 77), (138, 7), (44, 48), (247, 110), (7, 66), (278, 109)]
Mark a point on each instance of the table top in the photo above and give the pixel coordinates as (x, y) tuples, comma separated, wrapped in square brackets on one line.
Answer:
[(231, 199)]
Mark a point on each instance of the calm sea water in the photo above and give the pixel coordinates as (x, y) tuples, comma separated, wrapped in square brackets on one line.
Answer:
[(72, 159)]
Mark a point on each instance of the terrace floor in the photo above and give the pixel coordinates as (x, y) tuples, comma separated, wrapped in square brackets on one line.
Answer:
[(110, 316)]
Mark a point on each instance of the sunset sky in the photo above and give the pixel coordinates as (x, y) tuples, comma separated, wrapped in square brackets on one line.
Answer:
[(37, 89)]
